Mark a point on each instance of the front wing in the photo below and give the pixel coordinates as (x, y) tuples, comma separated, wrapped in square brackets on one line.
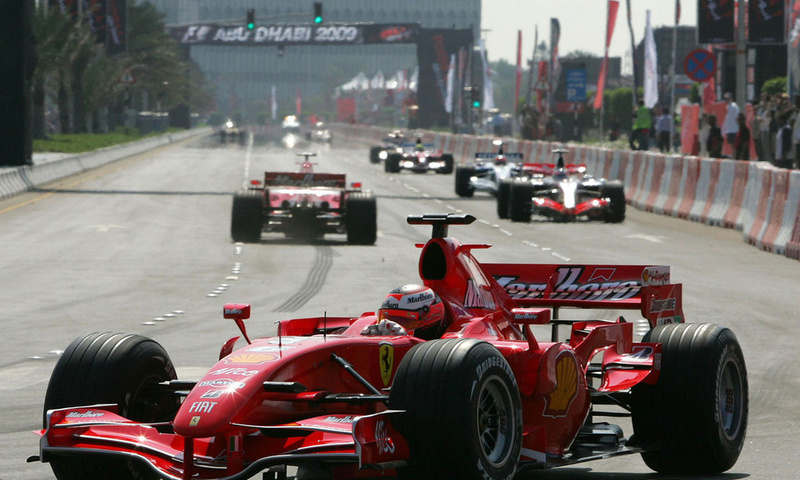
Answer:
[(368, 442)]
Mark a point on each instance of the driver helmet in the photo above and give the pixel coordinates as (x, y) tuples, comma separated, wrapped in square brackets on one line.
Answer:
[(420, 146), (412, 306)]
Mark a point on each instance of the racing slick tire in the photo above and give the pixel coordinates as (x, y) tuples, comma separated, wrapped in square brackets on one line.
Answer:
[(463, 413), (247, 216), (361, 218), (392, 163), (374, 153), (503, 194), (449, 164), (615, 192), (520, 198), (464, 187), (111, 368), (693, 420)]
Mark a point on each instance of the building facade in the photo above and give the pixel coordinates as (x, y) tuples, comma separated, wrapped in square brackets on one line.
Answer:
[(244, 76)]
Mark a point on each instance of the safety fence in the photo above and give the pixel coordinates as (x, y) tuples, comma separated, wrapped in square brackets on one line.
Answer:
[(756, 198)]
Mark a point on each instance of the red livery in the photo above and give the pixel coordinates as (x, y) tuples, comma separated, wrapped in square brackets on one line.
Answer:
[(304, 204), (466, 390)]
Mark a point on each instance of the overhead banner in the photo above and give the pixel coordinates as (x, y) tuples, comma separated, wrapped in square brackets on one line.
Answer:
[(765, 21), (715, 21), (106, 18), (302, 34), (434, 53)]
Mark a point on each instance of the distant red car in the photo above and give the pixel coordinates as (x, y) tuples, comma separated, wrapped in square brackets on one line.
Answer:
[(419, 158), (474, 395), (304, 204)]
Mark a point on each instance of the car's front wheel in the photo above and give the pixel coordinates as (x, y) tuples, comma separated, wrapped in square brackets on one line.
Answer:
[(463, 415), (693, 420), (111, 368)]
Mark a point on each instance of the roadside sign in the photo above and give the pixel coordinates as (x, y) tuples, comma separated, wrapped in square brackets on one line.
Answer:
[(700, 65), (127, 77), (576, 85)]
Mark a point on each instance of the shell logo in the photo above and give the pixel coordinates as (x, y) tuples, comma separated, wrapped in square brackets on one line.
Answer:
[(558, 401), (251, 358)]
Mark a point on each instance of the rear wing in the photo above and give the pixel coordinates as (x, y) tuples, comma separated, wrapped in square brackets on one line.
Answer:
[(620, 287), (493, 155), (299, 179), (549, 168)]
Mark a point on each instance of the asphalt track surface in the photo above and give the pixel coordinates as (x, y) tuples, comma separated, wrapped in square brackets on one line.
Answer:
[(143, 246)]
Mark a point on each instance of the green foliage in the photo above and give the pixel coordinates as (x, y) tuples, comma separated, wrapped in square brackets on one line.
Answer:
[(694, 93), (774, 86), (88, 142), (618, 107), (215, 119)]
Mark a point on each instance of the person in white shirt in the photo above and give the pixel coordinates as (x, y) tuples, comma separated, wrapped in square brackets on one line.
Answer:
[(764, 119), (796, 131), (730, 127), (783, 143), (664, 130)]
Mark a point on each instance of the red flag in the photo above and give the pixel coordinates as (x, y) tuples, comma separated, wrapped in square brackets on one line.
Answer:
[(519, 70), (613, 6), (677, 12)]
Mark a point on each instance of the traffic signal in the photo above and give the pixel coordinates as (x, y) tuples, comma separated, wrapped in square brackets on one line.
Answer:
[(476, 97), (251, 19), (317, 12)]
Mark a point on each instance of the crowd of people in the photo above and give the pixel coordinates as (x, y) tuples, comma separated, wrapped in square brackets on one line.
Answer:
[(774, 132)]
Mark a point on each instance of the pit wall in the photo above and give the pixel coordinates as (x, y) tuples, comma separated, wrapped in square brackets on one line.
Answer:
[(756, 198)]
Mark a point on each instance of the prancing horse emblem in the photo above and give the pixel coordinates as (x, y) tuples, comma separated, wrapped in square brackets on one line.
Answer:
[(386, 359)]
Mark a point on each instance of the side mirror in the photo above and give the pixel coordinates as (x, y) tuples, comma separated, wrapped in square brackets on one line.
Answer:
[(238, 312)]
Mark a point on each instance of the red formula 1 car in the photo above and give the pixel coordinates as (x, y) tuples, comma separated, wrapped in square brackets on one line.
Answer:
[(419, 158), (561, 192), (304, 204), (446, 380)]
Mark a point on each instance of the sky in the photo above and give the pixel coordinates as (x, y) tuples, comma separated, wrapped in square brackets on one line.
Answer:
[(583, 24)]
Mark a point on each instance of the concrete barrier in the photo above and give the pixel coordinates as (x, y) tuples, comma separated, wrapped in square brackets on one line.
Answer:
[(756, 198), (16, 180)]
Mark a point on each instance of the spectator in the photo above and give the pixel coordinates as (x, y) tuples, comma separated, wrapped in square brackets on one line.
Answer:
[(742, 143), (796, 130), (702, 135), (664, 130), (640, 138), (764, 118), (730, 127), (783, 143), (714, 142)]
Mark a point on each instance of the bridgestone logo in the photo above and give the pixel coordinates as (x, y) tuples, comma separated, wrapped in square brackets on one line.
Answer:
[(662, 305), (494, 361)]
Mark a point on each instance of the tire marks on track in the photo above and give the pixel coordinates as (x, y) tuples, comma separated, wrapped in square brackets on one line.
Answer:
[(314, 282)]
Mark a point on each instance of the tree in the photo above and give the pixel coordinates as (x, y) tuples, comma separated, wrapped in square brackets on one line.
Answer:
[(774, 86)]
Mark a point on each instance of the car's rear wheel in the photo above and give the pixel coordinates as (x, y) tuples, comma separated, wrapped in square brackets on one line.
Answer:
[(247, 218), (374, 153), (693, 420), (392, 163), (520, 200), (615, 192), (111, 368), (463, 415), (463, 184), (449, 164), (361, 218), (503, 194)]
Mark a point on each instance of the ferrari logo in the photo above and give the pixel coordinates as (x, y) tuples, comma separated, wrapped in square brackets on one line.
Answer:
[(386, 358)]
